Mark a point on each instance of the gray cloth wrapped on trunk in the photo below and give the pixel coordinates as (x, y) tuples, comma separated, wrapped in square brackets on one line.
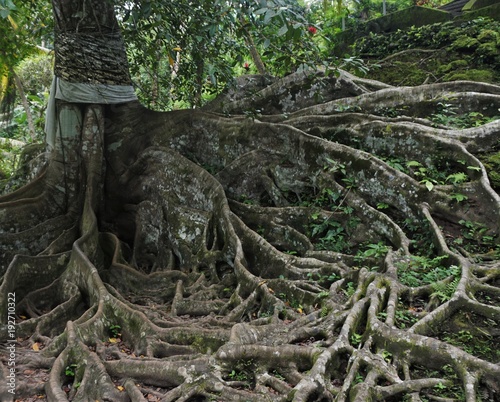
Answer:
[(81, 93)]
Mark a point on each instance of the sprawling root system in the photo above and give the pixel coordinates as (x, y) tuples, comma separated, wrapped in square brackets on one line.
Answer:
[(265, 251)]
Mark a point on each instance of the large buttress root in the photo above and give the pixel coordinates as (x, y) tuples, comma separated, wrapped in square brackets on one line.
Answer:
[(331, 254)]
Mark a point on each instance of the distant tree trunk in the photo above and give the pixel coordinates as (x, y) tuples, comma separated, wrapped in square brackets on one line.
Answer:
[(254, 53), (199, 80), (26, 106)]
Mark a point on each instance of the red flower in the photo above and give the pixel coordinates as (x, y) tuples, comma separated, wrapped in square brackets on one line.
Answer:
[(246, 66), (312, 30)]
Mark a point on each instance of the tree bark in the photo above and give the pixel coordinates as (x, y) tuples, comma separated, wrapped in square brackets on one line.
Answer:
[(254, 53), (88, 43)]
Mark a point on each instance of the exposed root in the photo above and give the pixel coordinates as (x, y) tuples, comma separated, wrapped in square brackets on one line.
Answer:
[(333, 254)]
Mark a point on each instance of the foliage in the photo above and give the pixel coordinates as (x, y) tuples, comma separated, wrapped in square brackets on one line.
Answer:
[(28, 26), (331, 234), (35, 73), (444, 291), (6, 7), (405, 317), (476, 238), (481, 345), (189, 52), (70, 370), (375, 250), (243, 371), (356, 339), (462, 50), (9, 156), (456, 34), (18, 127), (447, 116), (114, 330), (20, 39), (420, 270)]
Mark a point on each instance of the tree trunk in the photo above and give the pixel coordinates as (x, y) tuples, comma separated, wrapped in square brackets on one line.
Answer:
[(254, 53), (296, 255), (26, 106), (88, 43)]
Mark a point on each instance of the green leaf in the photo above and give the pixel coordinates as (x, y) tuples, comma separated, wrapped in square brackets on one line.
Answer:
[(457, 178), (429, 185), (458, 197), (283, 30), (269, 15), (6, 7)]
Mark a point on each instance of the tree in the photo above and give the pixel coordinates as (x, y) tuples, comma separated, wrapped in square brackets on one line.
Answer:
[(16, 43), (193, 50), (298, 253)]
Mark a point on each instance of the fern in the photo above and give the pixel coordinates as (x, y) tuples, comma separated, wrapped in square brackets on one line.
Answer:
[(444, 291)]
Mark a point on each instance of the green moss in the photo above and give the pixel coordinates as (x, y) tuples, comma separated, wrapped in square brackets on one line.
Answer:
[(400, 73), (463, 50), (454, 65), (492, 166), (464, 42), (489, 35), (206, 344), (470, 75), (489, 49)]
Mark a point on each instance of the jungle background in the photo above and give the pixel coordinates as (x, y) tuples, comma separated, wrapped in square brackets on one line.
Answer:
[(361, 293)]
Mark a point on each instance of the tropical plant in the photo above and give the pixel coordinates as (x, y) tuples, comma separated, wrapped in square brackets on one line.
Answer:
[(190, 52), (20, 37)]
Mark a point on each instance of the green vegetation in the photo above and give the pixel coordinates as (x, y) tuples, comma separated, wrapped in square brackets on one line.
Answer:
[(447, 116), (356, 339), (455, 50), (324, 280), (463, 339), (9, 157), (243, 371), (491, 162), (70, 370), (444, 291), (114, 331), (419, 270), (449, 389), (329, 234), (476, 238)]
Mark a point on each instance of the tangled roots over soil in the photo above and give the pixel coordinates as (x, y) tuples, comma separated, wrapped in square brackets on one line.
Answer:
[(344, 251)]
